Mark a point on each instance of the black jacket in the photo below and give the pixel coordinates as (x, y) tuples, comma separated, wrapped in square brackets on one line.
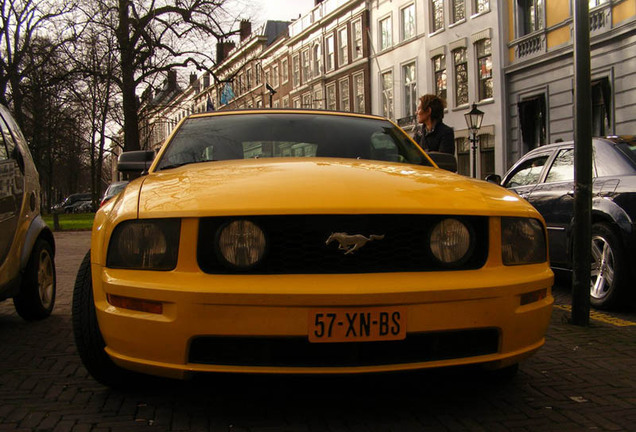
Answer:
[(440, 139)]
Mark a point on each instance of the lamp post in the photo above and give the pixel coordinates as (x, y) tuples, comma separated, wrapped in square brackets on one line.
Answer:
[(474, 118), (272, 92)]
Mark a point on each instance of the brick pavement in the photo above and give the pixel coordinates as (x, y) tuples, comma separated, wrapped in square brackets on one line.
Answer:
[(582, 379)]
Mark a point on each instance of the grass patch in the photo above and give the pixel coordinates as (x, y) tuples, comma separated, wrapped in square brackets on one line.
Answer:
[(71, 222)]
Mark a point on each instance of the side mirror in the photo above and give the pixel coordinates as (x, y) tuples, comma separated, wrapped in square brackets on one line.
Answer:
[(445, 161), (135, 161), (494, 178)]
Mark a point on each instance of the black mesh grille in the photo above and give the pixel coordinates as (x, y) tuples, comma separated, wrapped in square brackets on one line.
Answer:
[(299, 352), (296, 244)]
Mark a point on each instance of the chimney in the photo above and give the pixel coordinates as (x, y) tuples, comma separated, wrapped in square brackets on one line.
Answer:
[(193, 78), (222, 50), (245, 29), (172, 80)]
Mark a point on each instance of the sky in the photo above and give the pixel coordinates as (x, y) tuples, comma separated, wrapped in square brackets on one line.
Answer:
[(280, 10)]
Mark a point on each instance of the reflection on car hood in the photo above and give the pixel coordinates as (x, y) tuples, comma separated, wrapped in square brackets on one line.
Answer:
[(318, 186)]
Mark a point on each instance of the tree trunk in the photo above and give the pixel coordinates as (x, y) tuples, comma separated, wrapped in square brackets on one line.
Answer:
[(129, 87)]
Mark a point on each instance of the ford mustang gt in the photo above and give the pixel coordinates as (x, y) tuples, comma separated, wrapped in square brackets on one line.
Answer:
[(313, 242)]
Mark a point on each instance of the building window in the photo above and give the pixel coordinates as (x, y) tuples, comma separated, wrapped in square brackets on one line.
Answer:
[(248, 78), (297, 103), (330, 53), (258, 74), (296, 72), (480, 6), (356, 51), (318, 102), (259, 103), (386, 36), (601, 107), (387, 94), (343, 47), (410, 89), (276, 104), (275, 76), (594, 3), (529, 16), (358, 87), (439, 66), (532, 121), (285, 101), (484, 68), (344, 95), (463, 156), (317, 59), (407, 22), (331, 97), (306, 71), (486, 155), (437, 15), (458, 10), (306, 100), (461, 76), (284, 71)]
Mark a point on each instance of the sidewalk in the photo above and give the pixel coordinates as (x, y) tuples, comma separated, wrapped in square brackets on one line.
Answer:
[(584, 378)]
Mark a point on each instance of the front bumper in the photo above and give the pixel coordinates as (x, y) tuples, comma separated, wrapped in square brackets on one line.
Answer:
[(260, 308)]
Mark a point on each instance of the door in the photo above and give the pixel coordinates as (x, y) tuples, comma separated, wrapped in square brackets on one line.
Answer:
[(11, 189), (554, 199)]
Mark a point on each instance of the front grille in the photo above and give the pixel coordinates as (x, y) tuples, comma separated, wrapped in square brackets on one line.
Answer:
[(299, 352), (296, 244)]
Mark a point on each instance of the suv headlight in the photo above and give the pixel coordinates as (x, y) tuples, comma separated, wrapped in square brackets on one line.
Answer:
[(147, 244), (522, 241)]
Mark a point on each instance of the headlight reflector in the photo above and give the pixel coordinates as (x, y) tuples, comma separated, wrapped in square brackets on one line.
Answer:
[(146, 244), (450, 241), (522, 241), (241, 243)]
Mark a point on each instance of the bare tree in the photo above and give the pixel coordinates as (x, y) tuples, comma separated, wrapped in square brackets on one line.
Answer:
[(21, 23), (154, 37)]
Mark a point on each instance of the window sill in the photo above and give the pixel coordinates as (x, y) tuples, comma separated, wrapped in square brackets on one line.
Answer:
[(455, 24)]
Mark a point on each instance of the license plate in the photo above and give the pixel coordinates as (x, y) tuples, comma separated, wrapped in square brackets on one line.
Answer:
[(357, 324)]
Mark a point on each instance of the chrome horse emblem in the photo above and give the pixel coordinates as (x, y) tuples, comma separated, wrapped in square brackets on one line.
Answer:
[(353, 242)]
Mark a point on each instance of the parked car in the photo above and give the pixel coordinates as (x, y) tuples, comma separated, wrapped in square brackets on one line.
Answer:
[(545, 177), (289, 241), (113, 189), (71, 202), (27, 247)]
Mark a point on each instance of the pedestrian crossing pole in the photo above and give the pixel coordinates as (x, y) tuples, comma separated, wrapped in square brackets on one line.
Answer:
[(582, 256)]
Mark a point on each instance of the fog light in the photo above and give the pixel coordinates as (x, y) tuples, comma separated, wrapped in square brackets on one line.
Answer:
[(533, 296), (140, 305)]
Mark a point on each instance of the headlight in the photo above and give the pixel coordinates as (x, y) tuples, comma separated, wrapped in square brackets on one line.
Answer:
[(522, 241), (149, 244), (450, 241), (241, 243)]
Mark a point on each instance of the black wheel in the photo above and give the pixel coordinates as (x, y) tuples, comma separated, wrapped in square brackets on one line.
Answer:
[(608, 271), (88, 338), (37, 292)]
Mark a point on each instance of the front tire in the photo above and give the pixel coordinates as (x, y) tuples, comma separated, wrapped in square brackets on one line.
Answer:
[(88, 338), (608, 268), (37, 292)]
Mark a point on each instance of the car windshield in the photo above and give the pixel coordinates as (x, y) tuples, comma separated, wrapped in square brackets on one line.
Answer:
[(265, 135), (628, 148)]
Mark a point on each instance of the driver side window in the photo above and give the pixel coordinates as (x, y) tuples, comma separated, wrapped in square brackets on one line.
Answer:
[(527, 173)]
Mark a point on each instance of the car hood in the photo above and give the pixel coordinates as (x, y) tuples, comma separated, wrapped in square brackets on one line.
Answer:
[(318, 186)]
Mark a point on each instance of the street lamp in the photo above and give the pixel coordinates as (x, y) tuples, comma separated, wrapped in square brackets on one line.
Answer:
[(272, 92), (473, 120)]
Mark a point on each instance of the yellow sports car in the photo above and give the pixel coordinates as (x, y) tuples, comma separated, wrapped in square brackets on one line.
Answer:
[(287, 241)]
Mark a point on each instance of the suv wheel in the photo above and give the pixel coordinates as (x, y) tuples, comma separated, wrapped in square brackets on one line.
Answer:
[(608, 267), (88, 338), (37, 292)]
